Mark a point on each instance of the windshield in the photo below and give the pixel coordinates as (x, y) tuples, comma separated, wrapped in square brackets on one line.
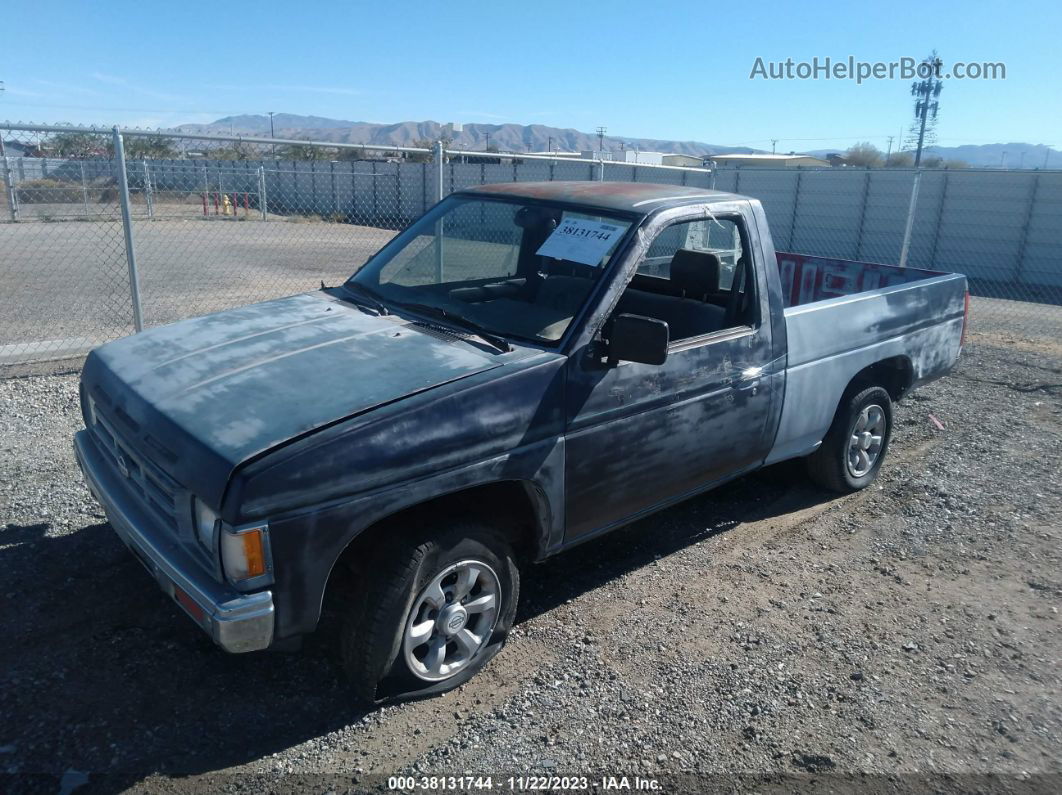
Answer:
[(510, 268)]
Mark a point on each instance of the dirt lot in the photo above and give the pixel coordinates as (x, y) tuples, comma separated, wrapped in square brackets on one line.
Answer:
[(767, 629)]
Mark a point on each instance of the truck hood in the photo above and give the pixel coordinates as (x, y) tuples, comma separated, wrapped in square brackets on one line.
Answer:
[(202, 396)]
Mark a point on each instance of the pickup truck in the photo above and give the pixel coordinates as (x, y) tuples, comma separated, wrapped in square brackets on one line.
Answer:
[(522, 369)]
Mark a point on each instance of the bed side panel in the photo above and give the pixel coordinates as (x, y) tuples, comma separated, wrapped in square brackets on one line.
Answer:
[(831, 341)]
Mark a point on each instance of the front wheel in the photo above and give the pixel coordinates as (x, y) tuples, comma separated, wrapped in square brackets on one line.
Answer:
[(435, 609), (854, 448)]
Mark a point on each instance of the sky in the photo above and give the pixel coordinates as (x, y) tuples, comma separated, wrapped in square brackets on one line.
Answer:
[(678, 70)]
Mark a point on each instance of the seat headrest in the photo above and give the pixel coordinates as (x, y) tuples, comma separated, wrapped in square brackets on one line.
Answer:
[(696, 273)]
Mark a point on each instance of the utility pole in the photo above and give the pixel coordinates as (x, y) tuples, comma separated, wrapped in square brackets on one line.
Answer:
[(888, 154), (1047, 154), (774, 143), (486, 147), (1003, 159), (601, 138), (271, 135), (549, 143), (926, 92)]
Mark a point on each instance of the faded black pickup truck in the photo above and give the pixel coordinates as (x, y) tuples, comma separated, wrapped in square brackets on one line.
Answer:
[(524, 368)]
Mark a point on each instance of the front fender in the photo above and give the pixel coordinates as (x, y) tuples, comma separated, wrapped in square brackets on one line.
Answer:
[(307, 544)]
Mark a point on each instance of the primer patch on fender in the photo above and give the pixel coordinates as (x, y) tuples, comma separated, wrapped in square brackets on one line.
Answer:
[(582, 240)]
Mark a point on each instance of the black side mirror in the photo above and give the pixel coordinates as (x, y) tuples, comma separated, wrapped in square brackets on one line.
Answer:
[(636, 338)]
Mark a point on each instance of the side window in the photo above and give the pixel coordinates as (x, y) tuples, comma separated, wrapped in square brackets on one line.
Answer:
[(687, 279), (721, 237)]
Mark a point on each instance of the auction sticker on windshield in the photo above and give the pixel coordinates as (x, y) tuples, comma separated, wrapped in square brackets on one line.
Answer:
[(582, 240)]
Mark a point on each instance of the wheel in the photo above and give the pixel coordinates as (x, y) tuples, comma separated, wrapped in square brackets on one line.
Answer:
[(854, 448), (432, 613)]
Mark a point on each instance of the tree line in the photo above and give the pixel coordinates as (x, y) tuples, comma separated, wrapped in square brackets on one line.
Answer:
[(866, 155)]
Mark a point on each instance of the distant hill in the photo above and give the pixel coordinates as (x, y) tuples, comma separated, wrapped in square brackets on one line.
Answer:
[(539, 137), (507, 137)]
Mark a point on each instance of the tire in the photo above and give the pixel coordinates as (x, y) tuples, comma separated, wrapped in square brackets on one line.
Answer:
[(413, 603), (863, 422)]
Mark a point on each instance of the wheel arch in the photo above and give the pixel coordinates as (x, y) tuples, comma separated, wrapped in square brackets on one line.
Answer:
[(519, 508), (894, 374)]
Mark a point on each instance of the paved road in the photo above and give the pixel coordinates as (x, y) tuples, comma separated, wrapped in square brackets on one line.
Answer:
[(66, 284)]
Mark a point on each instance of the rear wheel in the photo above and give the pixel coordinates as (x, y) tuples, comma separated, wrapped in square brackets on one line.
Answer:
[(855, 446), (434, 609)]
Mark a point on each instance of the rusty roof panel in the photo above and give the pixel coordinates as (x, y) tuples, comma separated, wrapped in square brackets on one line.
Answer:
[(636, 197)]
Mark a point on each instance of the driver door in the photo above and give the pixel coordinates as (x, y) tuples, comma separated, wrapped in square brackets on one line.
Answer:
[(640, 436)]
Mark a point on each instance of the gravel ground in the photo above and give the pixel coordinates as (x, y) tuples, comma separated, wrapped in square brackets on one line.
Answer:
[(765, 628)]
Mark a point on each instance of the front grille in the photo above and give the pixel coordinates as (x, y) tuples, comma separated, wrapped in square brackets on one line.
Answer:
[(156, 490)]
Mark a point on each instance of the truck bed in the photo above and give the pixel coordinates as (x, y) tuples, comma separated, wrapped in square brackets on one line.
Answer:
[(807, 279), (842, 316)]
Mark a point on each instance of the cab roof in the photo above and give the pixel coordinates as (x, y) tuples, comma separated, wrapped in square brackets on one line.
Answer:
[(633, 197)]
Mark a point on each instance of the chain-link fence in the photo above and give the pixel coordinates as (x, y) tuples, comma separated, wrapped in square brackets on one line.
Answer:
[(101, 232)]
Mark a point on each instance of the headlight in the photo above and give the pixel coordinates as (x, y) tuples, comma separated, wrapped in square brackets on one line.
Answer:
[(245, 552), (205, 523)]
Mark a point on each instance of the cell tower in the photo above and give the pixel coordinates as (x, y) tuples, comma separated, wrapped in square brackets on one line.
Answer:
[(926, 92)]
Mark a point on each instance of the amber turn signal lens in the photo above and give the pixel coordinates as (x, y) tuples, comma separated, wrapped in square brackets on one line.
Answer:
[(253, 553), (243, 553)]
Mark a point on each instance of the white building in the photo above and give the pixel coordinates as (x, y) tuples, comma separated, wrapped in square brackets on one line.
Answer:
[(770, 161), (689, 161)]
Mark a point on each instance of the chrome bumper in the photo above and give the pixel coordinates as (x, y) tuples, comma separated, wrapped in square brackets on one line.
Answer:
[(236, 621)]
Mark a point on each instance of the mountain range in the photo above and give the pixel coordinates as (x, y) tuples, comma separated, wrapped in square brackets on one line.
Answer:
[(540, 138), (506, 137)]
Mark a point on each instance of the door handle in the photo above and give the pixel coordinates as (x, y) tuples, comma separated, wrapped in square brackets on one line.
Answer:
[(750, 380)]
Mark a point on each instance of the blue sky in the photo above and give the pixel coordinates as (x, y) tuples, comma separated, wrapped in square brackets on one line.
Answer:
[(675, 70)]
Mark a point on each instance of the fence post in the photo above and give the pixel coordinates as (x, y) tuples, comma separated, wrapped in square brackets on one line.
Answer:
[(440, 155), (796, 204), (332, 180), (862, 213), (601, 170), (9, 187), (84, 188), (906, 248), (940, 219), (1019, 264), (262, 192), (127, 226), (149, 194), (440, 170)]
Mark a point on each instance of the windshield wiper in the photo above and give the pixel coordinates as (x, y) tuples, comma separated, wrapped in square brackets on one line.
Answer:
[(462, 322), (367, 296)]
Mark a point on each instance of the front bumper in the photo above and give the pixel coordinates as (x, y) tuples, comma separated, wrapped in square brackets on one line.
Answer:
[(236, 621)]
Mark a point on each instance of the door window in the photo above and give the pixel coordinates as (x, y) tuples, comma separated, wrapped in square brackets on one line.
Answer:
[(694, 277)]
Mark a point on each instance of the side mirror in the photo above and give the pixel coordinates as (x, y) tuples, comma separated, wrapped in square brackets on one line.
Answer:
[(636, 338)]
